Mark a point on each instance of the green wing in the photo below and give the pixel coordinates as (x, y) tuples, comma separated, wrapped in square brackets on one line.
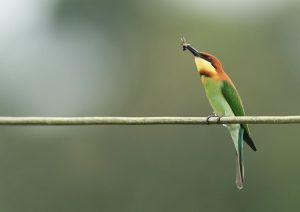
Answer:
[(234, 100), (232, 97)]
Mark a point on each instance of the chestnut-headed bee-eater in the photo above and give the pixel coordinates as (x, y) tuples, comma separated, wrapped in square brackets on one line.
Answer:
[(225, 101)]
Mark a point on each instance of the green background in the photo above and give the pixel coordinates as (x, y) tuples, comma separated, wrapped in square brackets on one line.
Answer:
[(123, 58)]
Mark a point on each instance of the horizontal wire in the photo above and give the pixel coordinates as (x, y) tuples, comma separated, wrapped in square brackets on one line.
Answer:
[(148, 120)]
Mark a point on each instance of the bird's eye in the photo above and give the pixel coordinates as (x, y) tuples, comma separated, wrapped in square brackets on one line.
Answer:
[(208, 59)]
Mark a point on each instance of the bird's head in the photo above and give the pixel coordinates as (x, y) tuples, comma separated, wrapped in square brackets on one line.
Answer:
[(206, 64)]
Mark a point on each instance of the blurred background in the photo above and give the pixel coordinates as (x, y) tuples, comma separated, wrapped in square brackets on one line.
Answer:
[(123, 58)]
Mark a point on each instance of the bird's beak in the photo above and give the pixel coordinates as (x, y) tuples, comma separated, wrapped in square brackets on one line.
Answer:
[(186, 46), (192, 50)]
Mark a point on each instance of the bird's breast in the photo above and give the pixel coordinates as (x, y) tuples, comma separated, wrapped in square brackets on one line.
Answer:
[(213, 91)]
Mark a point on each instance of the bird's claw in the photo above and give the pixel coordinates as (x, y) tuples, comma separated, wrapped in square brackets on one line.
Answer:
[(213, 115)]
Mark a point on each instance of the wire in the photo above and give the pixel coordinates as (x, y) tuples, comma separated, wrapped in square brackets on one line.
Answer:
[(148, 120)]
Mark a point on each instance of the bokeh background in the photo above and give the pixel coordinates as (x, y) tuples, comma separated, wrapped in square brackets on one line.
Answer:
[(123, 58)]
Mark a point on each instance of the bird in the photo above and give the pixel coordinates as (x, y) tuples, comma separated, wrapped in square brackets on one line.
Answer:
[(225, 101)]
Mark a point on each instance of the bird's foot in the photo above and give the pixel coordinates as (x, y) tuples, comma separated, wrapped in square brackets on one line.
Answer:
[(213, 115)]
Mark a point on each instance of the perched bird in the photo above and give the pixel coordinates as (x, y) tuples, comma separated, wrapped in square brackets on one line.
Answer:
[(225, 101)]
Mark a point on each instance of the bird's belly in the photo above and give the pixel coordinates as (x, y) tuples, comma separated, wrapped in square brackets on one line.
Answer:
[(213, 90)]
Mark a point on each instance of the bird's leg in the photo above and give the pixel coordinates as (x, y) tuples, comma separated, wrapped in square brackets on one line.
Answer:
[(213, 115)]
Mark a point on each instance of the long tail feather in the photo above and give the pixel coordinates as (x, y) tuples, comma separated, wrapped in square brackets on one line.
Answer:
[(240, 160)]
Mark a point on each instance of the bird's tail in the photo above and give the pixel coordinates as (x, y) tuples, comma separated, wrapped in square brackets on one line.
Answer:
[(240, 160)]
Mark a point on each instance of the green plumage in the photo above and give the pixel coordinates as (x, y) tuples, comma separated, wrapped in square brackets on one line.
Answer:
[(234, 100), (225, 101)]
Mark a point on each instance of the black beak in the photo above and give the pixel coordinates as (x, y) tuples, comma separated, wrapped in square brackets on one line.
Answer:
[(186, 46), (192, 50)]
